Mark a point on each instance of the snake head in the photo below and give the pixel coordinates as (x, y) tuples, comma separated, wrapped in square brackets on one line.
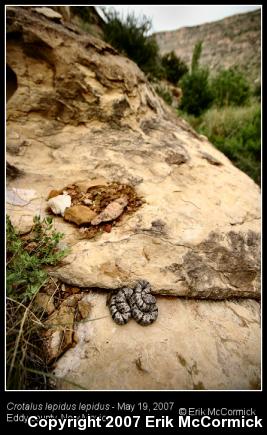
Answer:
[(143, 283)]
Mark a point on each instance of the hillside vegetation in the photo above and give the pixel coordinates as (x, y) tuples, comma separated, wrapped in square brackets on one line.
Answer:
[(235, 40), (226, 110), (236, 131)]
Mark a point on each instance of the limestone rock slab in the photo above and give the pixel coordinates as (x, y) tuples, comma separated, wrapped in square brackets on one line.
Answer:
[(193, 344), (222, 266)]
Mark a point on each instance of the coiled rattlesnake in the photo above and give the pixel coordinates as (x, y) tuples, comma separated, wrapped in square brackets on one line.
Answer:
[(137, 303)]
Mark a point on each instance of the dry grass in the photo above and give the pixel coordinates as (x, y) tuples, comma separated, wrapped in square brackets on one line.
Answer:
[(227, 121), (26, 260), (24, 347), (236, 131)]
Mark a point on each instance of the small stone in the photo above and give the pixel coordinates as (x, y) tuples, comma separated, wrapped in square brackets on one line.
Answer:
[(84, 308), (212, 160), (59, 203), (75, 290), (113, 210), (71, 301), (53, 345), (59, 334), (176, 158), (48, 13), (45, 302), (30, 247), (203, 138), (87, 201), (79, 214), (54, 193)]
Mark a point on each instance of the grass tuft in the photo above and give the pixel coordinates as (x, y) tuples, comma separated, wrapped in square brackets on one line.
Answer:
[(236, 131), (27, 260)]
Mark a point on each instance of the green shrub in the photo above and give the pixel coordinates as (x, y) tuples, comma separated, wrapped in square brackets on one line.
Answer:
[(232, 128), (26, 260), (130, 37), (25, 271), (236, 131), (230, 87), (197, 95), (196, 56), (257, 91), (84, 12), (174, 67)]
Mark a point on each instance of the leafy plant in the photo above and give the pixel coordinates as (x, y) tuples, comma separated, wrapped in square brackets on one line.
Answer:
[(26, 259), (197, 95), (84, 12), (174, 67), (257, 91), (196, 56), (230, 87)]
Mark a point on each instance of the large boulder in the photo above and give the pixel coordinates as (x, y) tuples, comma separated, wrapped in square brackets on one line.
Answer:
[(80, 112), (194, 345)]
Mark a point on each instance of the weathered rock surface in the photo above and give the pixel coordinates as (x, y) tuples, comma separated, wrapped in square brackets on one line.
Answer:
[(48, 13), (20, 197), (87, 113), (201, 345), (59, 334), (221, 266)]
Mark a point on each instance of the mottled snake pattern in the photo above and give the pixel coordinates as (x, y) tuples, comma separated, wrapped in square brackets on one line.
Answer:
[(137, 303)]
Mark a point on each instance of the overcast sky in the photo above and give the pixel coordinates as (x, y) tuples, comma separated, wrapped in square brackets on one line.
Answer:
[(175, 16)]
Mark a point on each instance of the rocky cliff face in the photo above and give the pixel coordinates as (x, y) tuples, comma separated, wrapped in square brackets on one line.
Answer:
[(78, 111), (233, 41)]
